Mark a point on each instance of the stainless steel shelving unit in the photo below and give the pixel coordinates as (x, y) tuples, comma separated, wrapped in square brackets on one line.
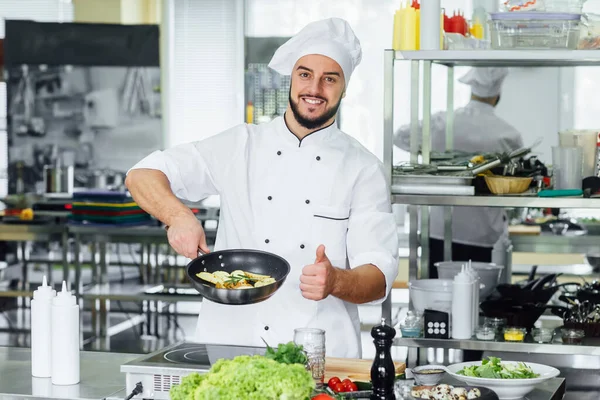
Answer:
[(497, 201), (421, 66), (590, 348)]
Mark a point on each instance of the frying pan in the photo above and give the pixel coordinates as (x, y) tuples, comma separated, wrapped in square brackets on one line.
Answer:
[(255, 261), (516, 313)]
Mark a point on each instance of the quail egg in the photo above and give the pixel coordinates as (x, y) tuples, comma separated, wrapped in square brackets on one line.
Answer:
[(474, 394)]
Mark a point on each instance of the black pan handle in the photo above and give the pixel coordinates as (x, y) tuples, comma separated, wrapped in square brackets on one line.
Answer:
[(542, 281), (532, 273)]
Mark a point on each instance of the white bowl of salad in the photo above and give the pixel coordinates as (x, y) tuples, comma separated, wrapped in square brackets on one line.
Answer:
[(509, 379)]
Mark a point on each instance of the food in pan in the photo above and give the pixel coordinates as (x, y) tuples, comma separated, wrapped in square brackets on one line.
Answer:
[(445, 392), (238, 279)]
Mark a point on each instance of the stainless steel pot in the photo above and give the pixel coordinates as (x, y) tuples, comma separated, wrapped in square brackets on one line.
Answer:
[(58, 179), (105, 179)]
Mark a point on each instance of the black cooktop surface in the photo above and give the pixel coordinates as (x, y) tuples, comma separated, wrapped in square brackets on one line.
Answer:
[(199, 354)]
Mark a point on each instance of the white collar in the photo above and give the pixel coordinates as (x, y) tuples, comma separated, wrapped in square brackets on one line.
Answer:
[(314, 138), (481, 106)]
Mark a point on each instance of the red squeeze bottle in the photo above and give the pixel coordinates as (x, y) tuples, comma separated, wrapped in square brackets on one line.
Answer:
[(447, 27)]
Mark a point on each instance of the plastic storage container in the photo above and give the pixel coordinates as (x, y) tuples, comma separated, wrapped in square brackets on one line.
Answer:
[(488, 273), (534, 30), (432, 294), (564, 6), (590, 33)]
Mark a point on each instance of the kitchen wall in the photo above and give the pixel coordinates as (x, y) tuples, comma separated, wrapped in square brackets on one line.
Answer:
[(102, 117)]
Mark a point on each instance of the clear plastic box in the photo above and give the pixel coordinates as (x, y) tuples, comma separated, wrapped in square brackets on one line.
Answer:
[(589, 38), (564, 6), (534, 30)]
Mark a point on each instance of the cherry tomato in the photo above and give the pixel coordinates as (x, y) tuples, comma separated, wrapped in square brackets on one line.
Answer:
[(346, 381), (333, 381), (322, 396), (338, 387), (350, 387)]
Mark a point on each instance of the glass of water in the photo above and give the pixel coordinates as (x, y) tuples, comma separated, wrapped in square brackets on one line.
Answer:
[(313, 342)]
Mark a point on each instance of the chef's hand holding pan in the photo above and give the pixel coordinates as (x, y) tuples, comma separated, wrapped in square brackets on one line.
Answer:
[(187, 236), (317, 280)]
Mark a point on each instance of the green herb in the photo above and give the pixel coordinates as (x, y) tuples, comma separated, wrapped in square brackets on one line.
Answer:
[(492, 368), (235, 279), (289, 353)]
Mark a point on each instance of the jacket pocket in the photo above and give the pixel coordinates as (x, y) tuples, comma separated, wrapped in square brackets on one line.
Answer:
[(330, 225)]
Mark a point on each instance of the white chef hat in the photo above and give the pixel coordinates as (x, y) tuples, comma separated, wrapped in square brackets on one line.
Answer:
[(332, 37), (485, 82)]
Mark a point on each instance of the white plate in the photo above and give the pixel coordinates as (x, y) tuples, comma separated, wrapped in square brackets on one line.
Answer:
[(506, 389)]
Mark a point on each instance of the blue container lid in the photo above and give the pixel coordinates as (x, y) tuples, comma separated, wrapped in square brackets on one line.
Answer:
[(534, 15)]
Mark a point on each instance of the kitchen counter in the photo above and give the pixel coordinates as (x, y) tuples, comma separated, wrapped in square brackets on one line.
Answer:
[(554, 389), (101, 377)]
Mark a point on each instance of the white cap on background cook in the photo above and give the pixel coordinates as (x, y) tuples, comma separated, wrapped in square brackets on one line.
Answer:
[(332, 37), (485, 81)]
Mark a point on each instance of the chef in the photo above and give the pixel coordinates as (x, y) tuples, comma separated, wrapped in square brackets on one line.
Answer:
[(297, 187), (477, 129)]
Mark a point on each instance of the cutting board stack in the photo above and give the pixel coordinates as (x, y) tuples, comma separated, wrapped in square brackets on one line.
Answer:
[(107, 208)]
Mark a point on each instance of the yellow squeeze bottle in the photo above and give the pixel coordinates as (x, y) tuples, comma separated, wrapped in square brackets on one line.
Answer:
[(417, 29), (397, 34), (408, 21)]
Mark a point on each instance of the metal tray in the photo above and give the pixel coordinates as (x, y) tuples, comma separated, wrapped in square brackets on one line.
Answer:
[(432, 180)]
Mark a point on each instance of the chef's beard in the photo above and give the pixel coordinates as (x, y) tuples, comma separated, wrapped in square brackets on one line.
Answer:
[(313, 123)]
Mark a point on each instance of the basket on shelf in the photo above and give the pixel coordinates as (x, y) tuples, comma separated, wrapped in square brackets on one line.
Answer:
[(507, 184)]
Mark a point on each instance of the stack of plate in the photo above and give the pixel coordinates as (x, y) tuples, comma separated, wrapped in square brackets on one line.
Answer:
[(106, 208)]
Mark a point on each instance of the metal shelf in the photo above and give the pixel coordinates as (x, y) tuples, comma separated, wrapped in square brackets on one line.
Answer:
[(591, 347), (496, 201), (514, 58), (550, 243)]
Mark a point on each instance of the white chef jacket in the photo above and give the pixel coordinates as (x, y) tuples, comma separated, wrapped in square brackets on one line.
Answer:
[(477, 128), (287, 196)]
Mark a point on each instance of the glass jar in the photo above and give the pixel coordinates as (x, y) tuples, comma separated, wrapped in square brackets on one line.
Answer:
[(485, 332), (412, 325), (514, 334), (572, 336), (542, 335), (497, 324), (313, 342)]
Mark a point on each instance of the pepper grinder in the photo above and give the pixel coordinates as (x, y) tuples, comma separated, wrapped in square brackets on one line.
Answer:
[(383, 372)]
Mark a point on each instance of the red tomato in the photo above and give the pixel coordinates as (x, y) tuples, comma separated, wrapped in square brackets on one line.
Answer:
[(333, 381), (322, 396), (346, 381), (350, 387), (338, 387)]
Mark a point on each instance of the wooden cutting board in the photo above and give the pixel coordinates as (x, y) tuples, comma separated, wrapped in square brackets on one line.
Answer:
[(525, 230), (353, 368)]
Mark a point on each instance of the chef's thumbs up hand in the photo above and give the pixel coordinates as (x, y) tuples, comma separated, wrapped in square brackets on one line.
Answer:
[(316, 281), (186, 236)]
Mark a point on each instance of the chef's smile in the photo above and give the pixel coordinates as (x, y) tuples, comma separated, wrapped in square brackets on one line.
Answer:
[(316, 90)]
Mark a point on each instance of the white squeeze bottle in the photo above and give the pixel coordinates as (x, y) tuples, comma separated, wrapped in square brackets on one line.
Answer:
[(65, 338), (476, 283), (41, 330), (462, 305)]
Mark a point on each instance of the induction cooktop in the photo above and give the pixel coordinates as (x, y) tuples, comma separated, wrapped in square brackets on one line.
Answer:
[(160, 370)]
